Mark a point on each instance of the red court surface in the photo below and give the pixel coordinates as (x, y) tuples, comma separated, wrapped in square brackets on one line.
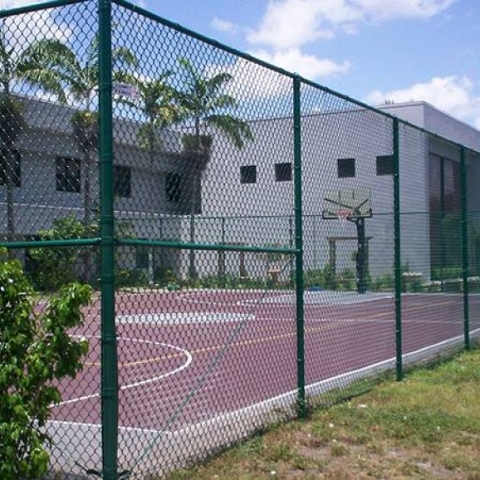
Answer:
[(190, 356)]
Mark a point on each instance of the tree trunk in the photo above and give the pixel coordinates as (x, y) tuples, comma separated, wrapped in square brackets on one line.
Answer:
[(192, 271), (197, 149)]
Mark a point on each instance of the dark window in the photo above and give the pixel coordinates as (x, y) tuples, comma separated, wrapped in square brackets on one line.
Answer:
[(346, 167), (10, 168), (451, 185), (385, 165), (445, 205), (444, 185), (172, 187), (283, 172), (122, 181), (68, 174), (248, 174)]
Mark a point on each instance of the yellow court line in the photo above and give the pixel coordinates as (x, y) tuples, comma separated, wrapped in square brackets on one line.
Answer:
[(271, 338), (199, 351)]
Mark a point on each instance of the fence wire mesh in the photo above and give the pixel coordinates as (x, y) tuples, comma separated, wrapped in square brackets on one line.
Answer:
[(252, 278)]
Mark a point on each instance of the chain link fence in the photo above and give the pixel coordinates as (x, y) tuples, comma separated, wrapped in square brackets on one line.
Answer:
[(258, 244)]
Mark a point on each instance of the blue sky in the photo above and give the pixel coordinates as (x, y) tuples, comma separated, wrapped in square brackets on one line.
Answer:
[(372, 50)]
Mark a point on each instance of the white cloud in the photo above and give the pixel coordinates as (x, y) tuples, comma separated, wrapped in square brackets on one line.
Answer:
[(6, 4), (251, 80), (224, 25), (379, 10), (24, 28), (293, 23), (452, 94), (308, 66), (289, 24)]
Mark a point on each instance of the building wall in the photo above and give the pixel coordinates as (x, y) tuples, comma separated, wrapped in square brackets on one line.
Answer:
[(37, 202), (260, 213)]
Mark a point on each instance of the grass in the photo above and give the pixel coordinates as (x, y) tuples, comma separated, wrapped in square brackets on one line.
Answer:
[(426, 427)]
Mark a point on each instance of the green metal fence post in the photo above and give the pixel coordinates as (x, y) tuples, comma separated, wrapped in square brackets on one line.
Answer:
[(109, 366), (398, 258), (297, 153), (465, 269)]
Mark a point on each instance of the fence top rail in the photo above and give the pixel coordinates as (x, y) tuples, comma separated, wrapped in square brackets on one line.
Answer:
[(10, 12)]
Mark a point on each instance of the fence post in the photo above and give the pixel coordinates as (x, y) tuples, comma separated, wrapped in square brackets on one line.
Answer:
[(297, 153), (109, 366), (398, 258), (464, 221)]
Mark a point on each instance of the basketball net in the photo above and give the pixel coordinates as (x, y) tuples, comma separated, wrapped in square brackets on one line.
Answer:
[(343, 214)]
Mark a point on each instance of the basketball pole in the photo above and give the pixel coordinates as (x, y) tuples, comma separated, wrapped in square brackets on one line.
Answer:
[(361, 255)]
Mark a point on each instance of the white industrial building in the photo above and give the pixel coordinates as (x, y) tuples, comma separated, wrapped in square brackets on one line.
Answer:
[(246, 196)]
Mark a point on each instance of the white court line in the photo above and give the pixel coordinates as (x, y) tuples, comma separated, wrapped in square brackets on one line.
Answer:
[(229, 426), (337, 381), (193, 297), (184, 318), (99, 426), (187, 354)]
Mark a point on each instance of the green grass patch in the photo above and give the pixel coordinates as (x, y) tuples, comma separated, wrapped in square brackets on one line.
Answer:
[(427, 426)]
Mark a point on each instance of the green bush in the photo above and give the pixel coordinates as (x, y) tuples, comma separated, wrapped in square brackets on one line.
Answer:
[(54, 267), (36, 350), (384, 283), (131, 278), (324, 278), (313, 278), (347, 280), (164, 276), (327, 279), (450, 273)]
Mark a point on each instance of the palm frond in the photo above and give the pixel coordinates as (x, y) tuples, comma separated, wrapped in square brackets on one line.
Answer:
[(221, 102), (49, 64), (238, 131), (47, 80), (217, 82), (204, 99), (190, 69), (148, 138), (123, 56), (92, 51)]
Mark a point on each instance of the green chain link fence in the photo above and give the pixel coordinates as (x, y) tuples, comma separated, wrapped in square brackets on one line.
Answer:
[(258, 243)]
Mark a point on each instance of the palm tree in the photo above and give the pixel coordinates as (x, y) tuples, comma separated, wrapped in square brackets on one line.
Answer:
[(79, 77), (156, 100), (203, 101), (32, 67)]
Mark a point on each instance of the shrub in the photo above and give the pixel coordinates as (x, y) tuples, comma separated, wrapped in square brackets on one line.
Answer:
[(131, 278), (347, 280), (58, 266), (324, 278), (164, 276), (445, 273), (36, 350), (384, 283)]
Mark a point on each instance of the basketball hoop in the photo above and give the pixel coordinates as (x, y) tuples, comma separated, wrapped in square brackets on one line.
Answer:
[(343, 214)]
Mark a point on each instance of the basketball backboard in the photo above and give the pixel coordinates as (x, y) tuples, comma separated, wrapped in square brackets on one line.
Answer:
[(348, 203)]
